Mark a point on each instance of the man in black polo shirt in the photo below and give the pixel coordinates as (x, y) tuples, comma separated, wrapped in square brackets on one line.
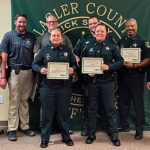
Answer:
[(17, 53)]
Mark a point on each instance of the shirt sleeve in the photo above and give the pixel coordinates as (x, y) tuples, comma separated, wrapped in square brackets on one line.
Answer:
[(146, 49), (5, 44), (118, 60), (38, 62)]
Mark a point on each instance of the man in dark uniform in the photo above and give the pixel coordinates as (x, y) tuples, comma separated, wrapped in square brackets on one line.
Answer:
[(17, 52), (55, 94), (101, 86), (131, 80)]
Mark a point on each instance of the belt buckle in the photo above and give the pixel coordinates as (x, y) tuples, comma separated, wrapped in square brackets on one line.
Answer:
[(17, 70)]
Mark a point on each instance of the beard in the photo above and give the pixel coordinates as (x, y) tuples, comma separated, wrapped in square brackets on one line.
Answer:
[(21, 29), (131, 33)]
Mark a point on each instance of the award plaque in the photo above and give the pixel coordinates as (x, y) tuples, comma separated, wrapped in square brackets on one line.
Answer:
[(91, 65), (132, 55), (58, 70)]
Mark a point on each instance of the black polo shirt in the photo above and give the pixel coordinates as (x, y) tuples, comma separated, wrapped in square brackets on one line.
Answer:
[(19, 48)]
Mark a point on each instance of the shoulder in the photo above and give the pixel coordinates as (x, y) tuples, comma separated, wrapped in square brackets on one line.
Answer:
[(65, 48), (30, 34), (9, 34), (110, 44)]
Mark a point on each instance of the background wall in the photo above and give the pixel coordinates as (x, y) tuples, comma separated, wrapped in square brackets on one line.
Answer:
[(5, 25)]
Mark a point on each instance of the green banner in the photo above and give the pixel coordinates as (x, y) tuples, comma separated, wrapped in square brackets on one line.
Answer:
[(72, 15)]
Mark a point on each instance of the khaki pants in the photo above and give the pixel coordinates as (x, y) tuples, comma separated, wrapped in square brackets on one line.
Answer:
[(20, 87)]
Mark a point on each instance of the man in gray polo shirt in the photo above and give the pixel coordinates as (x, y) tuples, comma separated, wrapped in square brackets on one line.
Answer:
[(17, 53)]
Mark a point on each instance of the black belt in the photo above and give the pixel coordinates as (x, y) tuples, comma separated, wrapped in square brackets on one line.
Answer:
[(20, 67)]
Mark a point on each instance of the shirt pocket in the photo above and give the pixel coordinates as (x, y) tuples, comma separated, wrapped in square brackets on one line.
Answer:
[(64, 57)]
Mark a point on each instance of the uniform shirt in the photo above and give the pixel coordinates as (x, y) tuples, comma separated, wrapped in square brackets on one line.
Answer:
[(86, 41), (43, 41), (18, 47), (83, 43), (148, 74), (110, 54), (136, 42), (51, 53)]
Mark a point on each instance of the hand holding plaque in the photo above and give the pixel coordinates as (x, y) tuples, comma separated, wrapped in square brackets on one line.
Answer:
[(132, 55), (91, 65), (58, 70)]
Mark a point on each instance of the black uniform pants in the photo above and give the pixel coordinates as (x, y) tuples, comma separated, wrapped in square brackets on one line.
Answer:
[(55, 99), (103, 91), (131, 88)]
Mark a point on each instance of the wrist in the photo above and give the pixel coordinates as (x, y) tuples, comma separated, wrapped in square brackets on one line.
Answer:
[(3, 78)]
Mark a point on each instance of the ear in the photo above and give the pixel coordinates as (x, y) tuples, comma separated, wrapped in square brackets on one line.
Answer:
[(15, 22)]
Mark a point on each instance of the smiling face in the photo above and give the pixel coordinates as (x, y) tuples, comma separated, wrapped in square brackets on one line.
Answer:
[(55, 37), (92, 23), (100, 33), (131, 28), (20, 24), (51, 22)]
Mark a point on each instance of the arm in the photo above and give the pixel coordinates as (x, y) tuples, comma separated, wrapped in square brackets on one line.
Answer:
[(3, 81), (143, 63), (73, 64), (118, 60), (38, 62)]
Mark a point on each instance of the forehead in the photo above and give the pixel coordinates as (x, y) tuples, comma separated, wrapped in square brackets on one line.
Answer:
[(93, 20), (130, 23), (21, 18), (100, 28), (55, 32), (51, 18)]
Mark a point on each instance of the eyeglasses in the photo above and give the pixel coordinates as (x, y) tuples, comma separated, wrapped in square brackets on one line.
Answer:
[(51, 22)]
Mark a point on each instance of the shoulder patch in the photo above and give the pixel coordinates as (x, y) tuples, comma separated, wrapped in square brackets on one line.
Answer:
[(147, 44)]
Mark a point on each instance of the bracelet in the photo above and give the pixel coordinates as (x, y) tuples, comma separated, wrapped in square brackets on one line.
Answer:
[(3, 78)]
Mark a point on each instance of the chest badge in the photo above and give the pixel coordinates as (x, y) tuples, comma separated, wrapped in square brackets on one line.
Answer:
[(134, 45), (65, 54), (107, 48)]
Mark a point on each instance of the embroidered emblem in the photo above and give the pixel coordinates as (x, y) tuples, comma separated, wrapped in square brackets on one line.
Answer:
[(91, 50), (28, 42), (147, 44)]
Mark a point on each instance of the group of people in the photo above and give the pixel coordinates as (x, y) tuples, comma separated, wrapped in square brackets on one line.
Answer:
[(22, 53)]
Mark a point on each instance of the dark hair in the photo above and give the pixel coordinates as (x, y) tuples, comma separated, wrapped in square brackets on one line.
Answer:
[(54, 30), (20, 15), (92, 17)]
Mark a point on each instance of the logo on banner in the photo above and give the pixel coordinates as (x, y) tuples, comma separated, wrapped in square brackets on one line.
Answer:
[(72, 17)]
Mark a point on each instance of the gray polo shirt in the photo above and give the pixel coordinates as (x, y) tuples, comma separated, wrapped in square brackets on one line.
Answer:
[(43, 41), (18, 47)]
